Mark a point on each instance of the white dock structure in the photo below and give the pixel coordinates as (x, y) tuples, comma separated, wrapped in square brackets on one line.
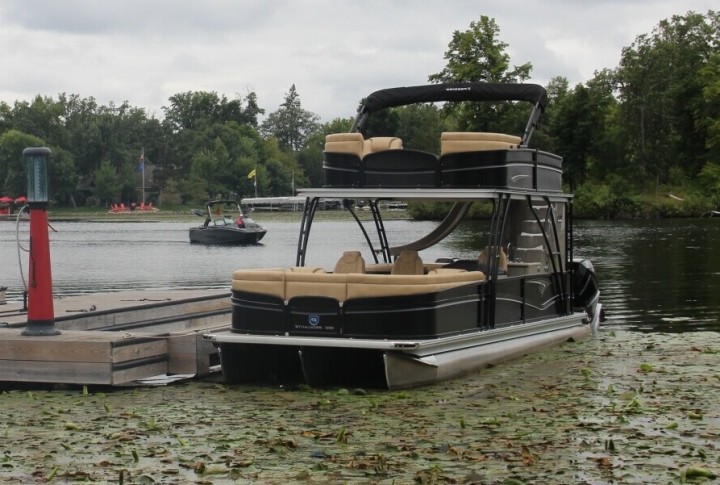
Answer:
[(275, 203)]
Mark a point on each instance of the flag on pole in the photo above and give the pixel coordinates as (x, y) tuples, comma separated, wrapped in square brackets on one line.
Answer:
[(141, 164), (252, 173)]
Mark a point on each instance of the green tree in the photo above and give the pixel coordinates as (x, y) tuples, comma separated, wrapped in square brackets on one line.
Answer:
[(310, 157), (63, 176), (197, 124), (5, 117), (290, 124), (420, 126), (170, 193), (478, 55), (192, 110), (107, 183), (13, 179), (42, 118), (206, 167), (661, 87), (275, 173), (578, 123), (543, 137), (84, 137), (709, 115)]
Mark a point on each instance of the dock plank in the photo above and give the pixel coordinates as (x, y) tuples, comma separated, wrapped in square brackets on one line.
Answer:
[(126, 376), (117, 338), (56, 372), (66, 347), (138, 348)]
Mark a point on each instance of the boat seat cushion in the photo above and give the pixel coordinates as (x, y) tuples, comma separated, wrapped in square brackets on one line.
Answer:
[(375, 285), (350, 262), (265, 281), (381, 268), (329, 285), (456, 142), (352, 143), (306, 269), (408, 263), (356, 144), (382, 143), (287, 284)]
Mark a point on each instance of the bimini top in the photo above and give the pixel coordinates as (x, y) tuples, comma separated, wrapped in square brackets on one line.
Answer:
[(456, 92), (389, 98)]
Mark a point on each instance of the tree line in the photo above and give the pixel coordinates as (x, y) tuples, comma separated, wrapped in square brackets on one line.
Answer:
[(629, 136)]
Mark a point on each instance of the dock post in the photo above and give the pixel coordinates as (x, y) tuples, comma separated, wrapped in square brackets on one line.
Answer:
[(41, 313)]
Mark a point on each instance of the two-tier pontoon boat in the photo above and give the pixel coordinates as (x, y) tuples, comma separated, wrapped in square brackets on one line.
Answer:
[(385, 317)]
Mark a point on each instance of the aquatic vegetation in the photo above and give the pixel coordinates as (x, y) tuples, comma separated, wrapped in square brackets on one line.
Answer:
[(621, 407)]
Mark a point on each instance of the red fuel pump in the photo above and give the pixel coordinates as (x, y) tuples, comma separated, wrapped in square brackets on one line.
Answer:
[(41, 313)]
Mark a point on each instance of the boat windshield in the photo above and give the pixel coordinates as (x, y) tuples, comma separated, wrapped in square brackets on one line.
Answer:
[(223, 221)]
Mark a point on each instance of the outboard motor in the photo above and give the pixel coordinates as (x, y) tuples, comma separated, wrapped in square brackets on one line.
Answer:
[(586, 286), (586, 292)]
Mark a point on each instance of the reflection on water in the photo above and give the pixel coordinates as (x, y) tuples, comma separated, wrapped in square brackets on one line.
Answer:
[(656, 274), (653, 274)]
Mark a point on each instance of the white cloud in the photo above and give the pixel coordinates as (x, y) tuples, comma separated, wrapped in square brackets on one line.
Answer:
[(335, 52)]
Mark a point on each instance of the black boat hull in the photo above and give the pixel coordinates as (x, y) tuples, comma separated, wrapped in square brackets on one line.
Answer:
[(226, 235)]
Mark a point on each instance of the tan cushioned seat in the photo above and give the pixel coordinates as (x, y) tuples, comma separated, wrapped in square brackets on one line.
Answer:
[(408, 263), (306, 269), (288, 284), (383, 268), (266, 281), (352, 143), (375, 285), (456, 142), (355, 144), (316, 284), (350, 262), (381, 143)]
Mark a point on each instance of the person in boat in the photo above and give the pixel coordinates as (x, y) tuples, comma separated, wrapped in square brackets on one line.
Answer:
[(240, 221)]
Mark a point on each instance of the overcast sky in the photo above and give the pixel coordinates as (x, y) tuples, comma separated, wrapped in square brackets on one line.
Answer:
[(334, 51)]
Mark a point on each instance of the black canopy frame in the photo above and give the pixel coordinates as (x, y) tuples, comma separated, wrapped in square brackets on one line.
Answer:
[(456, 92)]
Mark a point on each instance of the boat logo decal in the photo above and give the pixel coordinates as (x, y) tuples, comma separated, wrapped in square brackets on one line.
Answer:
[(314, 320), (515, 178)]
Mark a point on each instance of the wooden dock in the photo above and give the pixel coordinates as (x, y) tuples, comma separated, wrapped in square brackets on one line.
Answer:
[(116, 338)]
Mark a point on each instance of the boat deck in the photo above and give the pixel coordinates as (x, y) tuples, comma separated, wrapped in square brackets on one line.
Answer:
[(116, 338)]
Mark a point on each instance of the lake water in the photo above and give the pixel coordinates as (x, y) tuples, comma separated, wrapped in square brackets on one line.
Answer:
[(653, 274)]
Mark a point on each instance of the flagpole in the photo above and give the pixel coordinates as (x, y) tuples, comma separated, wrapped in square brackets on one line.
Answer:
[(253, 175), (142, 161)]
